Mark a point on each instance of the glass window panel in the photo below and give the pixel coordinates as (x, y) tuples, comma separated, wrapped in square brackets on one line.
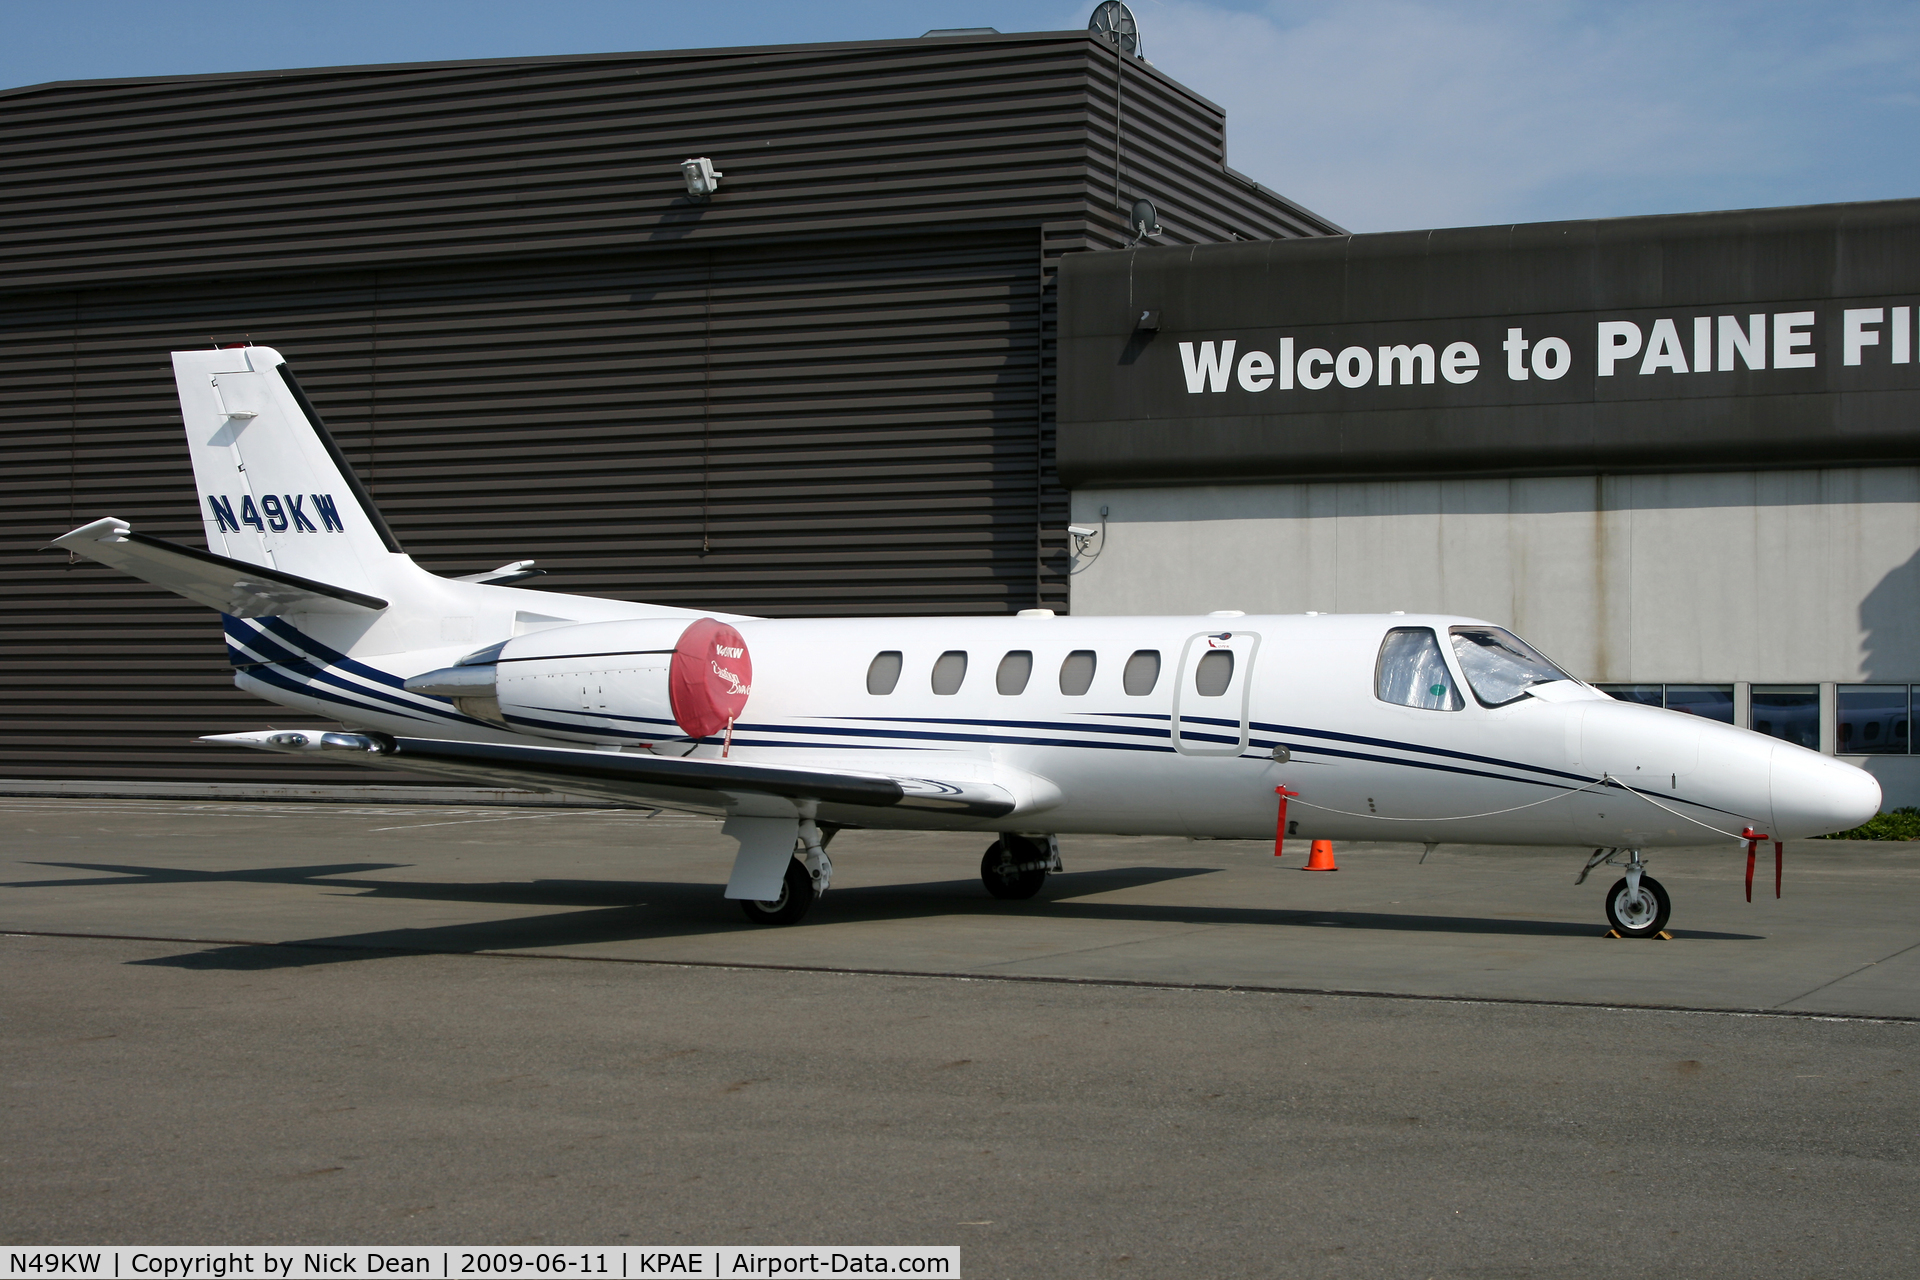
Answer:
[(1871, 720), (1141, 673), (1412, 673), (1213, 673), (1499, 665), (949, 670), (1076, 673), (883, 673), (1789, 712), (1708, 701), (1015, 670), (1648, 695)]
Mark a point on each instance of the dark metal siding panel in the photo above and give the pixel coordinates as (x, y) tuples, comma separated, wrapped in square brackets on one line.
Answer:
[(844, 429), (296, 170), (103, 676), (346, 167), (848, 429)]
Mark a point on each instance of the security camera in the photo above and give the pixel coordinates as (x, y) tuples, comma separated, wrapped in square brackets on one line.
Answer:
[(1081, 531), (702, 178)]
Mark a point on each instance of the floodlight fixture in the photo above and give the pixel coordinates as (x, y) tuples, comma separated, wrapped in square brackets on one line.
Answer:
[(702, 178)]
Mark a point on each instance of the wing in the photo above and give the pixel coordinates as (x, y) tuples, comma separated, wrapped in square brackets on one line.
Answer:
[(231, 586), (725, 787)]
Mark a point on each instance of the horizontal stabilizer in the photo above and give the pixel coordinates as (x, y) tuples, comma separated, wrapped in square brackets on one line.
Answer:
[(711, 786), (231, 586)]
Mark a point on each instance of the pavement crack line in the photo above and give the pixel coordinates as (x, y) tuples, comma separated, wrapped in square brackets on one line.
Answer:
[(1099, 946), (1247, 988), (1843, 977)]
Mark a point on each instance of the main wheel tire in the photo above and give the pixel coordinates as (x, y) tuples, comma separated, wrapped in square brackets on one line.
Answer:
[(796, 896), (1641, 917), (999, 869)]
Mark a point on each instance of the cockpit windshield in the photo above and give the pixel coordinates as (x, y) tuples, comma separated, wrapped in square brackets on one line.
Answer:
[(1499, 665)]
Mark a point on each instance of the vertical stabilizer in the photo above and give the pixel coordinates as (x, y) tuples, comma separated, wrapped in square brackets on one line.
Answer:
[(274, 489)]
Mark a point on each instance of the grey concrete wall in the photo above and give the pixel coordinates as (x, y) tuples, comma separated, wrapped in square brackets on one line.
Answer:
[(1770, 576)]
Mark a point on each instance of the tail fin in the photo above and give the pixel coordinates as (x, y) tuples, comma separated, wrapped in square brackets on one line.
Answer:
[(275, 490)]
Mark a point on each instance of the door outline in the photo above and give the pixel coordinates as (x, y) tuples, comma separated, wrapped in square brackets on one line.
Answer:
[(1243, 672)]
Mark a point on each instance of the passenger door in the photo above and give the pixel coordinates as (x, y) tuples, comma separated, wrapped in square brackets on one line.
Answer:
[(1212, 693)]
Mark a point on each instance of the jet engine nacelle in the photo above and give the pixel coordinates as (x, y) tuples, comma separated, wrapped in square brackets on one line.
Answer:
[(633, 681)]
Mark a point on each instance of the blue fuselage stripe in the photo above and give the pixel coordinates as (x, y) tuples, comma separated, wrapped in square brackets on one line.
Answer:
[(302, 674)]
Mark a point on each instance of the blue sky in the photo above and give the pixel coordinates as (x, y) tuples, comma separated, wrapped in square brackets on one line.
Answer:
[(1381, 114)]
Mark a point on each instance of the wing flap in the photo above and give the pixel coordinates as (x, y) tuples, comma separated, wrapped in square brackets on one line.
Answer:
[(231, 586), (710, 786)]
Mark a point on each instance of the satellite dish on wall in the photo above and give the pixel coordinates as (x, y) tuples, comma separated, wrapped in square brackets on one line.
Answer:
[(1114, 23), (1145, 220)]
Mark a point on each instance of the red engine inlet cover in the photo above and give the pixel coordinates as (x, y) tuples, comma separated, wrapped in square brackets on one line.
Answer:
[(709, 678)]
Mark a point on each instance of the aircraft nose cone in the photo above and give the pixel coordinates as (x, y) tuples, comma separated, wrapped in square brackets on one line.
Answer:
[(1815, 794)]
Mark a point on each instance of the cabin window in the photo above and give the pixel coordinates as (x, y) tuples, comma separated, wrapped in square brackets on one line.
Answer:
[(1411, 672), (883, 673), (1141, 673), (1213, 673), (1015, 670), (1076, 673), (1499, 665), (949, 670)]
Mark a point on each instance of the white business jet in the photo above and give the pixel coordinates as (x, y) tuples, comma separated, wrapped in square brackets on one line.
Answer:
[(1354, 727)]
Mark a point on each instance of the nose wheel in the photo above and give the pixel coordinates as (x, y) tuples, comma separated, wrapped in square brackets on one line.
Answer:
[(1638, 911), (1637, 905)]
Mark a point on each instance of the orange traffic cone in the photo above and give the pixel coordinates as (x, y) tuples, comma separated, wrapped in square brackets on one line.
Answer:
[(1320, 857)]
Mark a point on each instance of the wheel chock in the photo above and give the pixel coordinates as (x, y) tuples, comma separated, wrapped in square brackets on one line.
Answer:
[(1320, 857), (1663, 935)]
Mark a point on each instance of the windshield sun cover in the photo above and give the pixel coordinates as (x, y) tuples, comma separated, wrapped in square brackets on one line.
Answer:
[(1500, 666)]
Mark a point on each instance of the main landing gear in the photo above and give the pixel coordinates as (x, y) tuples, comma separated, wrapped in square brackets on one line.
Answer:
[(1637, 905), (1016, 866), (796, 898), (808, 874)]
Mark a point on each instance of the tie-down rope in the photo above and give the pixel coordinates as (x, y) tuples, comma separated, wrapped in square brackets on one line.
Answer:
[(1531, 804)]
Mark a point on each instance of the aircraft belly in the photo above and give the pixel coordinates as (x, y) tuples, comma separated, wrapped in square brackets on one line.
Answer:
[(1105, 791), (1224, 797)]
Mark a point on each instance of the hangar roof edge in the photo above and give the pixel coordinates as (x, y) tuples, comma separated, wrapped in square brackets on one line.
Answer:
[(663, 55), (1704, 222)]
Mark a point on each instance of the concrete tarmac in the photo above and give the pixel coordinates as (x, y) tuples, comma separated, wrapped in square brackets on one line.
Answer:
[(255, 1023)]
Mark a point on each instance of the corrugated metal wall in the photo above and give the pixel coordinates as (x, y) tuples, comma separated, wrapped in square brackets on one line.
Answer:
[(187, 176), (826, 392)]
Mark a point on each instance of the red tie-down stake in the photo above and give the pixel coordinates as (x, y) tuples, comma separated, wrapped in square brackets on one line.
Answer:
[(1280, 831), (1753, 839)]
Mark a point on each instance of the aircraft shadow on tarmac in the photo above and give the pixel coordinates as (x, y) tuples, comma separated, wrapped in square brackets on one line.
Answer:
[(602, 911)]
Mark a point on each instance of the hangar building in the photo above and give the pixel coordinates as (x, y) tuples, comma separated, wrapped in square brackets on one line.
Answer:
[(908, 341)]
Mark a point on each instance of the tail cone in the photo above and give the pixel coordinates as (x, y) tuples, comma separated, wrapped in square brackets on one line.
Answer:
[(1320, 857)]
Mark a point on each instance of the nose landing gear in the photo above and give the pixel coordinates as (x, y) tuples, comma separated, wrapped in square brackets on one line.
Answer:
[(1638, 911), (1637, 904)]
